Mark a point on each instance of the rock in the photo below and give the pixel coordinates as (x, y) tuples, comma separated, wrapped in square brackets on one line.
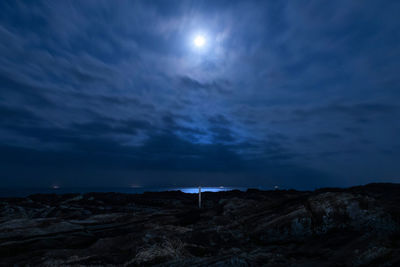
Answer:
[(358, 226)]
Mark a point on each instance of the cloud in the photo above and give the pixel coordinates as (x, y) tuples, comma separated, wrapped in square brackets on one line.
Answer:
[(219, 120), (13, 115), (218, 86), (360, 112)]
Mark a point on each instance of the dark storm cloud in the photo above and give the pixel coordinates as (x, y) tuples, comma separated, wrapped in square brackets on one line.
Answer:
[(119, 89)]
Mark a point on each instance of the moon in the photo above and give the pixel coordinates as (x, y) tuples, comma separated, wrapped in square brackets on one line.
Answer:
[(199, 41)]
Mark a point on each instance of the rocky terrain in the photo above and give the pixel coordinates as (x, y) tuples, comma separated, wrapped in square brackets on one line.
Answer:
[(359, 226)]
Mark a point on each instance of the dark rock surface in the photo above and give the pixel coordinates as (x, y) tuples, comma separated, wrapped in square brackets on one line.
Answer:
[(359, 226)]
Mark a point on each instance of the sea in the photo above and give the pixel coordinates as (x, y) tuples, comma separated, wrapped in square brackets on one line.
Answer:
[(26, 191)]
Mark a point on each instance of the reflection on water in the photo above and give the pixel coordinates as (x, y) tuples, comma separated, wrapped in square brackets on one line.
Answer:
[(193, 190)]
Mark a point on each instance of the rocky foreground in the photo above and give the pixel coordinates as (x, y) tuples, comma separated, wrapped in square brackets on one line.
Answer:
[(359, 226)]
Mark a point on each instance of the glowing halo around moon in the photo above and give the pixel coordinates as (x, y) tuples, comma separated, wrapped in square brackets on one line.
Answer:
[(199, 41)]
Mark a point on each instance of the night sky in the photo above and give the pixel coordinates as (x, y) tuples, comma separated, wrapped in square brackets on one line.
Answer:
[(300, 94)]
